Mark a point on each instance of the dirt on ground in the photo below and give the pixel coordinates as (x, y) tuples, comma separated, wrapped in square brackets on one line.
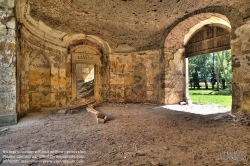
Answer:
[(135, 134)]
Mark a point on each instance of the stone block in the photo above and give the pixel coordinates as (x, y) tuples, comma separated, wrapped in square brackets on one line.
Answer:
[(2, 45), (237, 49), (3, 28), (7, 100), (128, 80), (246, 102), (42, 99), (150, 93), (11, 3), (120, 81), (7, 120), (112, 81), (64, 111), (11, 47), (183, 103), (11, 24), (150, 87)]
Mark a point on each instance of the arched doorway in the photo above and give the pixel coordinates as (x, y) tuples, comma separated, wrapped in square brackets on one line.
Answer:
[(85, 74), (208, 39), (175, 76), (87, 61)]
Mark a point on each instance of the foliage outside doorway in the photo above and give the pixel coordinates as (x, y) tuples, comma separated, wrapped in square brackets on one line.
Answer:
[(210, 78)]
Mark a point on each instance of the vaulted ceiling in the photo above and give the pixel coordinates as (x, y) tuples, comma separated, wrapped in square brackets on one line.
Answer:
[(134, 23)]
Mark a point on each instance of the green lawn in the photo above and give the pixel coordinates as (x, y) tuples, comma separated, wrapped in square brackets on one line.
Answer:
[(222, 98)]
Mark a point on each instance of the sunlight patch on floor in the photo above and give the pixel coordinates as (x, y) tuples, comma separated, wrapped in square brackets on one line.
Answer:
[(198, 109)]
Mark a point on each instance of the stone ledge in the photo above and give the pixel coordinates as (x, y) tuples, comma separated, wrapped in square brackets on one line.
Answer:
[(7, 120)]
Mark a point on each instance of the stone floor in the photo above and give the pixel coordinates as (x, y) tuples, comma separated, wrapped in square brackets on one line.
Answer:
[(136, 135)]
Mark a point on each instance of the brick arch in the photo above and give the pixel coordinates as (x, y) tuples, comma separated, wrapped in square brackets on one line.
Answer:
[(224, 12), (182, 32), (175, 75)]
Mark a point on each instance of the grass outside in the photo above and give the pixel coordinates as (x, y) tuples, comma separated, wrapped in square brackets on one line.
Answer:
[(222, 98)]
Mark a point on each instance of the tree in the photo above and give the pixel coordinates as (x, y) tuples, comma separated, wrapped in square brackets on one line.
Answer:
[(198, 67), (227, 76), (213, 67), (216, 69)]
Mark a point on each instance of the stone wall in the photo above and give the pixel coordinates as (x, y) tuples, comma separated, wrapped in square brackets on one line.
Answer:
[(8, 94), (43, 73), (45, 63), (135, 77), (241, 70), (173, 87), (156, 74), (46, 72)]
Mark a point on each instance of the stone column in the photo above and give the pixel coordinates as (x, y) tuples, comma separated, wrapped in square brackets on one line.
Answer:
[(8, 114), (174, 76), (241, 71)]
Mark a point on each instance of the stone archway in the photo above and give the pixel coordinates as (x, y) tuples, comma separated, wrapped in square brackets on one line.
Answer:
[(209, 38), (175, 77), (86, 59), (93, 51)]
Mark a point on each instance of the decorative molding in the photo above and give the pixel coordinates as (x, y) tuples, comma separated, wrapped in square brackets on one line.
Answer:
[(58, 38)]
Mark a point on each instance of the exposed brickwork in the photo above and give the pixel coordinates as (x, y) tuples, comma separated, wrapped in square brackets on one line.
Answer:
[(7, 64), (241, 70)]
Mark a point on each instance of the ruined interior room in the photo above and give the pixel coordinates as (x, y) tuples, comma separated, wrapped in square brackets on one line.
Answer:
[(94, 79)]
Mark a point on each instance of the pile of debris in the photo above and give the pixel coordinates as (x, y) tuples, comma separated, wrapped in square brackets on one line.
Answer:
[(85, 89)]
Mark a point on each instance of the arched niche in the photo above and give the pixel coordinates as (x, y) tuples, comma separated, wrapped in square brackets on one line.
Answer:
[(39, 81), (135, 82)]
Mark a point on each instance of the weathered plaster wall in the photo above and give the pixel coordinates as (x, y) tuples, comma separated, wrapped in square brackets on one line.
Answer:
[(43, 73), (46, 73), (135, 77), (7, 63), (38, 41), (125, 75), (241, 70)]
